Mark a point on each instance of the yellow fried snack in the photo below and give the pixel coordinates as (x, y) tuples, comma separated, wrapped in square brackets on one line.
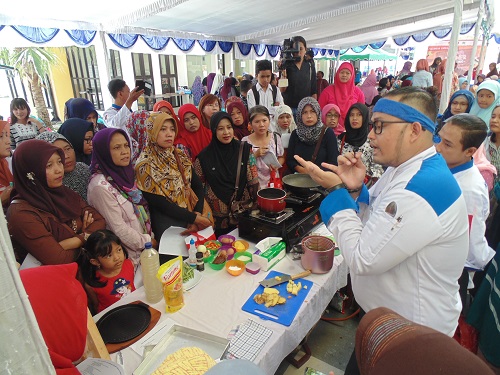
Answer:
[(269, 299), (293, 288), (186, 361)]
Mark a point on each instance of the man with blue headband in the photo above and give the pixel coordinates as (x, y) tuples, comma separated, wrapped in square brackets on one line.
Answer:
[(406, 239)]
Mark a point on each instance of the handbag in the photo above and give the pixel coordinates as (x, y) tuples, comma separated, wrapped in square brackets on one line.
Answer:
[(191, 197), (466, 335), (236, 205)]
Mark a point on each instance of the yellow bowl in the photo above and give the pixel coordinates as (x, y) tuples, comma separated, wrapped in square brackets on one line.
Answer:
[(242, 242), (235, 267)]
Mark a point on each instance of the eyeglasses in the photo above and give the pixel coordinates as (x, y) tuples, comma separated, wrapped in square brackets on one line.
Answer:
[(88, 140), (378, 125), (331, 115)]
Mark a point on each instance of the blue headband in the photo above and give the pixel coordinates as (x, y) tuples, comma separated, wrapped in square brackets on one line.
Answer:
[(404, 112)]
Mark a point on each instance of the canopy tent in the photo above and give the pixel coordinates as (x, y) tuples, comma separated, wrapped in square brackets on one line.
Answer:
[(368, 54), (325, 24)]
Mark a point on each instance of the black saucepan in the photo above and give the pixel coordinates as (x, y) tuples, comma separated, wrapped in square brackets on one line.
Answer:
[(301, 184)]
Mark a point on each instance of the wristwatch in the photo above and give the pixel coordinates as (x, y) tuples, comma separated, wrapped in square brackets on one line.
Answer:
[(336, 187)]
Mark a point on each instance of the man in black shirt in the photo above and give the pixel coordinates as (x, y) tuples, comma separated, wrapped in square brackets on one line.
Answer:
[(301, 78)]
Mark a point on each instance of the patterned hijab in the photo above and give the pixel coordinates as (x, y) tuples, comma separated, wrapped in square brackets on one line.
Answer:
[(309, 134), (281, 110), (136, 128), (240, 131), (197, 90), (122, 178), (156, 170), (196, 141), (30, 180)]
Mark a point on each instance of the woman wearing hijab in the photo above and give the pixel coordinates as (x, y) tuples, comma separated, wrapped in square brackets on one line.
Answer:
[(46, 219), (113, 190), (85, 110), (210, 81), (136, 129), (239, 114), (493, 70), (227, 90), (217, 84), (217, 167), (80, 134), (460, 102), (193, 136), (439, 77), (304, 139), (435, 64), (487, 98), (422, 77), (406, 71), (165, 107), (463, 84), (342, 92), (369, 88), (76, 174), (197, 90), (355, 139), (161, 171), (209, 105)]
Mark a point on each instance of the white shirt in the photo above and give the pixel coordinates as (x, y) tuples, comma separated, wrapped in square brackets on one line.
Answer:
[(116, 118), (475, 192), (265, 98), (407, 248), (422, 78)]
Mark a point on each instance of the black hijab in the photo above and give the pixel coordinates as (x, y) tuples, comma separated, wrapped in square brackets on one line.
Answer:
[(74, 130), (219, 161), (357, 137)]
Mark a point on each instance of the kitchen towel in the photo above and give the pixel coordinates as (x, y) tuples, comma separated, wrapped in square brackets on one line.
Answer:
[(248, 340)]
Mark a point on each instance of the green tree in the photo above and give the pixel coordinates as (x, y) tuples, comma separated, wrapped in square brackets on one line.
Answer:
[(32, 64)]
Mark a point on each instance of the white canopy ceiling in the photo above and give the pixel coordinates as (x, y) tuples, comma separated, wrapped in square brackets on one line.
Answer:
[(323, 23)]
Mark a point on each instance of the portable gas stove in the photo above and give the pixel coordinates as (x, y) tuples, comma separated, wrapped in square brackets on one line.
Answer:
[(299, 217)]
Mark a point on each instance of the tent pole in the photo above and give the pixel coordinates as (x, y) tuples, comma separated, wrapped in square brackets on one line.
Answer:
[(474, 45), (337, 64), (452, 52)]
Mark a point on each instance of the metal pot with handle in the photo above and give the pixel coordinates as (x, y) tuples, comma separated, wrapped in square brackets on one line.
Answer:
[(271, 200), (302, 185)]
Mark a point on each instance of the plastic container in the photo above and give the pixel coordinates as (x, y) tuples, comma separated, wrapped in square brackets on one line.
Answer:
[(150, 263), (229, 250), (245, 256), (216, 267), (240, 245), (235, 267), (226, 239), (213, 246), (252, 268)]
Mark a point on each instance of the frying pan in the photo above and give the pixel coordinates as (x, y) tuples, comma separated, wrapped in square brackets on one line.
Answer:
[(301, 184)]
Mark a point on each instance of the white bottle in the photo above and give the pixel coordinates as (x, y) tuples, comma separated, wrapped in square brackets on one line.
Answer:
[(192, 253), (150, 262)]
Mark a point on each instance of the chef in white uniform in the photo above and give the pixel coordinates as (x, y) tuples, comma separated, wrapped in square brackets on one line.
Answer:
[(460, 138), (405, 241)]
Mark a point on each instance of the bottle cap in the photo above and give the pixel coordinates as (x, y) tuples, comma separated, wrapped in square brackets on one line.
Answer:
[(199, 255), (191, 242), (148, 245)]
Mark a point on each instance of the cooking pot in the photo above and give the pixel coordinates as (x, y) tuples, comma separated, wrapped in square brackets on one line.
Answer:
[(318, 252), (271, 200), (301, 184)]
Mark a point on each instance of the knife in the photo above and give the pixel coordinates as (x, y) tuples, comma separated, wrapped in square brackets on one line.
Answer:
[(269, 283)]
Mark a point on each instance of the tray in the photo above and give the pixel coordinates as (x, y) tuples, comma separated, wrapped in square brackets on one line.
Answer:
[(282, 314), (180, 337), (148, 315)]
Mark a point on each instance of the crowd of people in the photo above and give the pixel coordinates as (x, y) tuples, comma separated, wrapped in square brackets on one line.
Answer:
[(409, 197)]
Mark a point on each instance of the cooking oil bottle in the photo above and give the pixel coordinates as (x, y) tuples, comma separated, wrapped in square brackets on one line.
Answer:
[(150, 262)]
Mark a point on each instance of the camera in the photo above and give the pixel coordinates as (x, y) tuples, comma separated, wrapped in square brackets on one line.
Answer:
[(290, 47)]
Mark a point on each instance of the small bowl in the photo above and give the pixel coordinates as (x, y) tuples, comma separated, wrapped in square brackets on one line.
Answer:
[(228, 249), (226, 239), (216, 267), (235, 267), (213, 246), (253, 268), (244, 243), (209, 259), (243, 254)]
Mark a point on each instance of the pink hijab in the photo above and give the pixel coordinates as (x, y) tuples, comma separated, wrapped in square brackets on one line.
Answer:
[(369, 88), (345, 94)]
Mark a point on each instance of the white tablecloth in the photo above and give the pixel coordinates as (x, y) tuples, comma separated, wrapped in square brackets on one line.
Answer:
[(214, 306)]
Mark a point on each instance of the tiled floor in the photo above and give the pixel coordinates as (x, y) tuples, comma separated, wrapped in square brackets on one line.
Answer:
[(331, 346)]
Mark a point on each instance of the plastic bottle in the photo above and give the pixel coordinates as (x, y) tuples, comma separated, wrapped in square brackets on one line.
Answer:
[(192, 253), (150, 262)]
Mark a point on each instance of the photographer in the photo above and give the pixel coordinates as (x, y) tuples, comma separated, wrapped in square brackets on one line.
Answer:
[(301, 74)]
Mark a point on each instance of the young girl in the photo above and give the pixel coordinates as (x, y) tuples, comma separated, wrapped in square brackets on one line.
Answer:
[(22, 126), (486, 99), (106, 269), (263, 141), (330, 115)]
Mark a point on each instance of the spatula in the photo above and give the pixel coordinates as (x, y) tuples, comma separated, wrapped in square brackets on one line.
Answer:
[(269, 283)]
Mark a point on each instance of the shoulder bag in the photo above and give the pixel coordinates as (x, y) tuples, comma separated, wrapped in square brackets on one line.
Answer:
[(236, 205)]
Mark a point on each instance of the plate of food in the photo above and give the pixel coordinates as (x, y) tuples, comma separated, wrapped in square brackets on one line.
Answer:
[(190, 277)]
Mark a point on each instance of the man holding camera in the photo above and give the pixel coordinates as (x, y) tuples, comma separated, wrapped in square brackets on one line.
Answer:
[(301, 74), (123, 97)]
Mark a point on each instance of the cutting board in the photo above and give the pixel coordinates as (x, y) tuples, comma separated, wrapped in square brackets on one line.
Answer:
[(282, 314)]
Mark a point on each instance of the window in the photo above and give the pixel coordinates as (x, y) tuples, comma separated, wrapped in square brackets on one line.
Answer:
[(143, 69), (168, 70), (115, 64), (85, 75)]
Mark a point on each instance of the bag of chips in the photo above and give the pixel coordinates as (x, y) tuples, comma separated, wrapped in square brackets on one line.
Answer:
[(170, 274)]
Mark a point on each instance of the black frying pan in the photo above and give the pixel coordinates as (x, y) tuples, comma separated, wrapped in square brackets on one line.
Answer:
[(301, 184)]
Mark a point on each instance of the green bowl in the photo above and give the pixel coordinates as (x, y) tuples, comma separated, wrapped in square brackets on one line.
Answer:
[(216, 267), (238, 255), (209, 259)]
